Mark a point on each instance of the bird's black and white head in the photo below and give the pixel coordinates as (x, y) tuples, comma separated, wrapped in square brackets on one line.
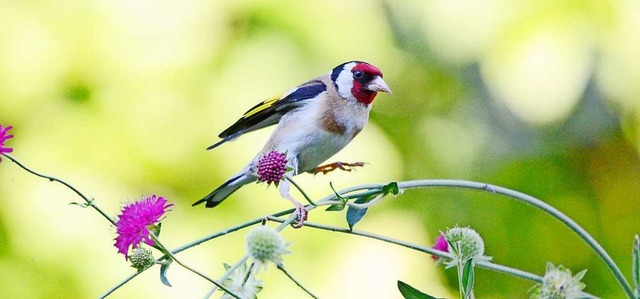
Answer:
[(359, 81)]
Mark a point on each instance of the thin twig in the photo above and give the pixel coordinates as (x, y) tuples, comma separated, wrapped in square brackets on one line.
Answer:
[(226, 275), (296, 281), (173, 257), (120, 284), (301, 191), (88, 201)]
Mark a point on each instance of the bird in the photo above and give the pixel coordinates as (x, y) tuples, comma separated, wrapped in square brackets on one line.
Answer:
[(314, 121)]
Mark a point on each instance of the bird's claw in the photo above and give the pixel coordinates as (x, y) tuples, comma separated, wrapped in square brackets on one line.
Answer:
[(301, 216), (337, 165)]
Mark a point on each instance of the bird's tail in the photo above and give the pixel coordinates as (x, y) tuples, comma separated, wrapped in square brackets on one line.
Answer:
[(217, 196)]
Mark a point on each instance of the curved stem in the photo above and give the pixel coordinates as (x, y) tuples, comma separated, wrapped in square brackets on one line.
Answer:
[(173, 257), (431, 251), (89, 202), (227, 274), (460, 184), (534, 202), (301, 191), (281, 268), (120, 284)]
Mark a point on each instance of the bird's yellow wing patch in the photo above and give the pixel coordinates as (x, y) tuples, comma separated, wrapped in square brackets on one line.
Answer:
[(262, 106)]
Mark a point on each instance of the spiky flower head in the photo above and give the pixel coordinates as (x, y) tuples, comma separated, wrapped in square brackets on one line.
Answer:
[(142, 258), (464, 243), (272, 167), (558, 283), (265, 244), (4, 136), (441, 244), (243, 283), (135, 221)]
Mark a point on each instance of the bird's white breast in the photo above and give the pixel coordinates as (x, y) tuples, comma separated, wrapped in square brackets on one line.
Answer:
[(304, 135)]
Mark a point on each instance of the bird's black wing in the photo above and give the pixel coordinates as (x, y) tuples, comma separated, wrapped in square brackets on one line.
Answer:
[(270, 111)]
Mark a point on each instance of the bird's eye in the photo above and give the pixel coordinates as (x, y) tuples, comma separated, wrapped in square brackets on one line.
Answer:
[(357, 74)]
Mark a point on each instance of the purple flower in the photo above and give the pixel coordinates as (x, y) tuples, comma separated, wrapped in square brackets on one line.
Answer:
[(4, 137), (271, 167), (135, 221), (441, 244)]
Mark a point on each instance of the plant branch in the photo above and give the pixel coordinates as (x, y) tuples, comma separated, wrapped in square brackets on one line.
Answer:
[(88, 202), (173, 257), (120, 284), (459, 184), (431, 251), (301, 191), (281, 268)]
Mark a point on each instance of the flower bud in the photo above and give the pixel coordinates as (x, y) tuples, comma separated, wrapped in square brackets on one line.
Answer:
[(141, 258), (271, 167), (265, 244), (558, 283)]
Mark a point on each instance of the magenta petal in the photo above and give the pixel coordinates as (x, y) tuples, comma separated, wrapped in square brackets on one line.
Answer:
[(271, 167), (4, 137), (441, 244), (134, 219)]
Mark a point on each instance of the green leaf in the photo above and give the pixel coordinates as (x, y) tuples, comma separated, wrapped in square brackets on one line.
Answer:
[(339, 206), (354, 216), (226, 266), (391, 188), (635, 266), (468, 278), (454, 247), (409, 292), (163, 272), (336, 207)]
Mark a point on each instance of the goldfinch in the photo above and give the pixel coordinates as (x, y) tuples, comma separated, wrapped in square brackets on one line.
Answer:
[(314, 121)]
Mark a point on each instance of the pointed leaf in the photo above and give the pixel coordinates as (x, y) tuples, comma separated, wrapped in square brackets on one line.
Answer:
[(468, 278), (336, 207), (409, 292), (635, 267), (354, 216), (226, 266), (339, 206), (338, 195), (365, 199), (163, 272), (391, 188)]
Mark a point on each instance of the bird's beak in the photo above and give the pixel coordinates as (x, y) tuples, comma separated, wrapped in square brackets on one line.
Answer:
[(378, 85)]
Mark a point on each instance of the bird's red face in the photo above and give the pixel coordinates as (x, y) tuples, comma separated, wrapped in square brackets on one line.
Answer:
[(359, 80), (367, 82)]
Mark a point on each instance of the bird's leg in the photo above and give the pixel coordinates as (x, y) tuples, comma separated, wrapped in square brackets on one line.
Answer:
[(301, 212), (337, 165)]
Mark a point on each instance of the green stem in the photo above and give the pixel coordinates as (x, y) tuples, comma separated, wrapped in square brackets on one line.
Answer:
[(227, 274), (301, 191), (89, 202), (534, 202), (373, 189), (460, 287), (228, 230), (120, 284), (431, 251), (459, 184), (281, 268), (173, 257)]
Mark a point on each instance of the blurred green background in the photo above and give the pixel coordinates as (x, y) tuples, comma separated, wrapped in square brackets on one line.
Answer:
[(120, 98)]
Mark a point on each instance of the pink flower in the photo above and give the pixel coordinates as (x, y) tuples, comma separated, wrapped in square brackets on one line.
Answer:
[(271, 167), (4, 137), (441, 244), (137, 217)]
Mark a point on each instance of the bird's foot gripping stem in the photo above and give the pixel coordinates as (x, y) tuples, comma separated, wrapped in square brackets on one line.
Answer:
[(301, 214), (324, 169)]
